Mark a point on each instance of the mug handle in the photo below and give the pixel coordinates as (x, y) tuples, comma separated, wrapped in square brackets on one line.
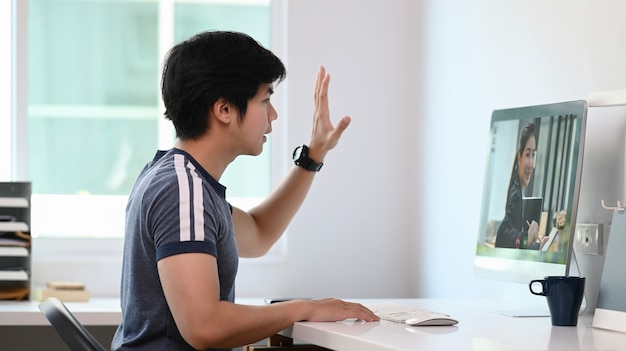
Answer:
[(530, 286)]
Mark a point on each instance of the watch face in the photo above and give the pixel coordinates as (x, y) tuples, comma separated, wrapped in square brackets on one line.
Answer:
[(297, 153)]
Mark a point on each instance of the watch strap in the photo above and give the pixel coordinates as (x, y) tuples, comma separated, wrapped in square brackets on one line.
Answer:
[(303, 160)]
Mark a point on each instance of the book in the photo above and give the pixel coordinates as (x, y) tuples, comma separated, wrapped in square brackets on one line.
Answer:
[(65, 295), (56, 285)]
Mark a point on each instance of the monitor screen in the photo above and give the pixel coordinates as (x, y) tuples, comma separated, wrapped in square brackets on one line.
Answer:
[(531, 190)]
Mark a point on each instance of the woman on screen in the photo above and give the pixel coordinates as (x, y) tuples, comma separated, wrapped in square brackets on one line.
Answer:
[(513, 233)]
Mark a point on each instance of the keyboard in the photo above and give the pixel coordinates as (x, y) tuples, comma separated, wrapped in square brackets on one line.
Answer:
[(411, 315)]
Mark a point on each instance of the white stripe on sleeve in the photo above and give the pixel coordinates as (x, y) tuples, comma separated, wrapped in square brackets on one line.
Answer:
[(198, 203), (184, 202)]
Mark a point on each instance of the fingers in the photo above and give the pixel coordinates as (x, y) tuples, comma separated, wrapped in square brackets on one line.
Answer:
[(324, 135), (321, 72), (360, 312), (321, 85), (335, 310), (341, 126), (367, 315), (321, 93)]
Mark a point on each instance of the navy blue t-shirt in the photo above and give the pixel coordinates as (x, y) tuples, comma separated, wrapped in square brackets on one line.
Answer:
[(175, 207)]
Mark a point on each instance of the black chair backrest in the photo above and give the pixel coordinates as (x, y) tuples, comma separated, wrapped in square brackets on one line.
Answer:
[(73, 333)]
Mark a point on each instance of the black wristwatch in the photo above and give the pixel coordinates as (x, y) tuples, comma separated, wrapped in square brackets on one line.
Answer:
[(301, 158)]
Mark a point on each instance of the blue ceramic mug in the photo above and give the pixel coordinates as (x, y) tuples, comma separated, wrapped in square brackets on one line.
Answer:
[(564, 295)]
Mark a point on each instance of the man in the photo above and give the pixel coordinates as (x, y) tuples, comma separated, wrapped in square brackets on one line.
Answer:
[(183, 239)]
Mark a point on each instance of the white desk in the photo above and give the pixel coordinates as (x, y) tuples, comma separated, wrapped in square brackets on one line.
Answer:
[(98, 311), (478, 329)]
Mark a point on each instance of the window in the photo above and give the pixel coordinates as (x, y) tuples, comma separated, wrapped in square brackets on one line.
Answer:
[(5, 89), (94, 110)]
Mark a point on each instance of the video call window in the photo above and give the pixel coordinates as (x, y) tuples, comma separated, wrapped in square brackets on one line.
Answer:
[(530, 183)]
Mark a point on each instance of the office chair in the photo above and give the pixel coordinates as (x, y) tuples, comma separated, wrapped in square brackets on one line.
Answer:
[(75, 335)]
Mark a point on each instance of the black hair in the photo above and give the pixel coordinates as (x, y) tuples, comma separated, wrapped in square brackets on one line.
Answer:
[(527, 132), (210, 66)]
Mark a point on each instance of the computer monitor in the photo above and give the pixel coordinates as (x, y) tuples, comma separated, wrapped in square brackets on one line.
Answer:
[(546, 166)]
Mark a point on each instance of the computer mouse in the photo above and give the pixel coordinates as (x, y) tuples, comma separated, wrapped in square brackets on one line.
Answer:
[(431, 320)]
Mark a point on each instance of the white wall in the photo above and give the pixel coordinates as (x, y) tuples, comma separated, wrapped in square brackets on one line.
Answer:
[(394, 212), (356, 223), (483, 55)]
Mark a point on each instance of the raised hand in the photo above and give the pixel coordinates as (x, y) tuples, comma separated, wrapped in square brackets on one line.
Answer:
[(325, 136)]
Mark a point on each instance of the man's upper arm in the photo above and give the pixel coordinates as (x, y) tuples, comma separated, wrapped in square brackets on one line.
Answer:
[(191, 286), (246, 233)]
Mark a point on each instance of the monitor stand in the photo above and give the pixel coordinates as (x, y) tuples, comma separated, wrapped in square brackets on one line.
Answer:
[(534, 311), (518, 302), (522, 313)]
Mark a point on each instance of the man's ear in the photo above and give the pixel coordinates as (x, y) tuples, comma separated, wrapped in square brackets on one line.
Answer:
[(223, 110)]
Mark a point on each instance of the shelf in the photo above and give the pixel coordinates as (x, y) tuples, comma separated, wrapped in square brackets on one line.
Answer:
[(15, 240), (6, 251), (17, 202), (13, 275), (13, 227)]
